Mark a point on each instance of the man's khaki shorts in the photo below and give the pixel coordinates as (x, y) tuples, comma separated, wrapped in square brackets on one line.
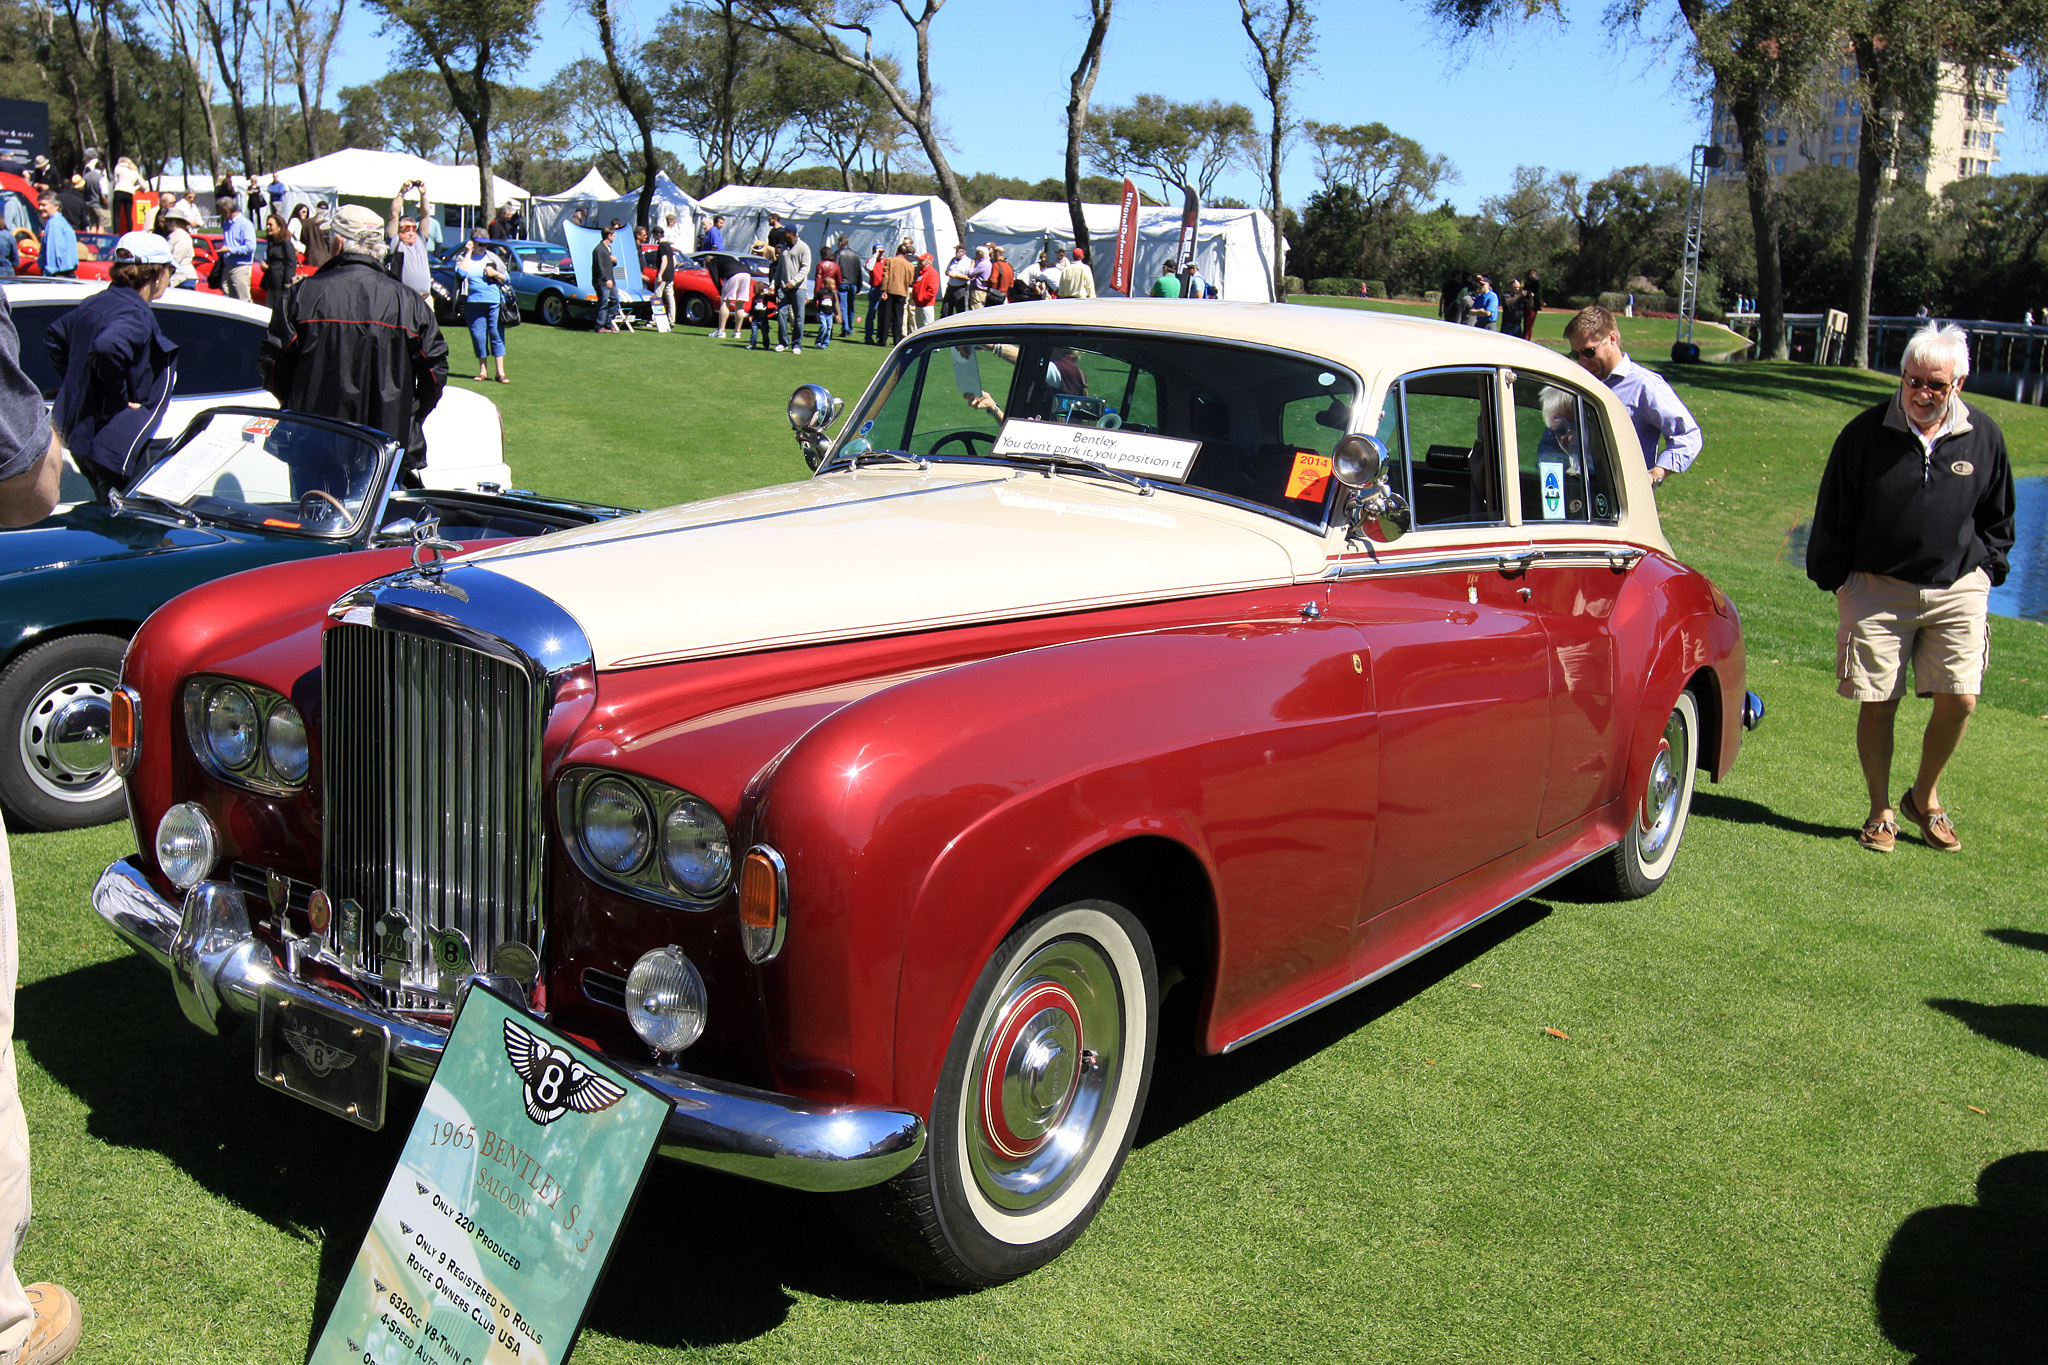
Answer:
[(1885, 621)]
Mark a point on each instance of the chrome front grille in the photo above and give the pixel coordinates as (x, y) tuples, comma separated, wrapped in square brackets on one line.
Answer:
[(431, 757)]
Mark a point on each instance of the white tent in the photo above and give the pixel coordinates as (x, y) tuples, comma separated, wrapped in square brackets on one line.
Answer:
[(1234, 248), (551, 214), (820, 216), (362, 174)]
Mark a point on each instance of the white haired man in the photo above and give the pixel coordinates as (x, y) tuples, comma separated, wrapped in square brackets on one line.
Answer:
[(1910, 533)]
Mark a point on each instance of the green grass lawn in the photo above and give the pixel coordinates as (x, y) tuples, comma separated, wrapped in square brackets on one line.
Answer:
[(1800, 1114)]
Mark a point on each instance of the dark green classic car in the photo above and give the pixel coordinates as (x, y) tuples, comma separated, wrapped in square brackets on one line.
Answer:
[(241, 488)]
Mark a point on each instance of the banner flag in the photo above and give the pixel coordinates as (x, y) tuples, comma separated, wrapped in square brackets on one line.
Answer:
[(1126, 241), (1190, 216)]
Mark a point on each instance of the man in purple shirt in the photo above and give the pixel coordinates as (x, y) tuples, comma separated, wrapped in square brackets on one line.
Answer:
[(1592, 339)]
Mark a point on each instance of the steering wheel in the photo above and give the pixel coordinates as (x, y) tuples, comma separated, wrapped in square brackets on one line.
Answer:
[(965, 438), (311, 510)]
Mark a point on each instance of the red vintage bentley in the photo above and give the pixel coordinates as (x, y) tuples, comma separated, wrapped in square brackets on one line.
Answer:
[(1116, 648)]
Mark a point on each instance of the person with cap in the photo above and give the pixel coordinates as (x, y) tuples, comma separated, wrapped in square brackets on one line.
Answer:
[(42, 174), (405, 255), (1077, 281), (352, 343), (484, 297), (177, 221), (238, 246), (115, 366), (60, 243)]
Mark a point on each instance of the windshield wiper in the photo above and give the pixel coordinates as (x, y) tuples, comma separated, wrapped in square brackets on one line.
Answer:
[(1077, 465), (177, 512), (853, 461)]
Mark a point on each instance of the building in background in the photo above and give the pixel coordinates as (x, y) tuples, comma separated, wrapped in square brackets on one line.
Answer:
[(1960, 141)]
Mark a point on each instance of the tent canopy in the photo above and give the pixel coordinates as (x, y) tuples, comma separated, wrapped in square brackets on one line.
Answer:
[(821, 216), (591, 186), (1234, 248), (552, 213), (360, 173)]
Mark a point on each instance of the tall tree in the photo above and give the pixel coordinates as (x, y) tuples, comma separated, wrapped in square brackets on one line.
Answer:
[(1283, 35), (471, 43), (226, 25), (1185, 147), (1759, 54), (831, 29), (310, 31), (1374, 182), (188, 43), (1080, 90), (629, 84)]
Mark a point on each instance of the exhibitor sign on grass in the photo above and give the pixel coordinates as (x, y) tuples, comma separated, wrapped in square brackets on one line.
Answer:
[(494, 1231)]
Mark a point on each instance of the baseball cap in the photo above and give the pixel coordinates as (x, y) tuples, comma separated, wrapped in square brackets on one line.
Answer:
[(144, 248)]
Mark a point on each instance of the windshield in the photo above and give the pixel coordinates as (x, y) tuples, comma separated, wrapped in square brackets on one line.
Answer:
[(1238, 421), (277, 472)]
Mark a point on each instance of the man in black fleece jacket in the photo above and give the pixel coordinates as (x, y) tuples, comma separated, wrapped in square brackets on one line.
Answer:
[(1910, 533)]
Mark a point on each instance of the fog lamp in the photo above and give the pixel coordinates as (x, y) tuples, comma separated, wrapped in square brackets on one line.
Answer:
[(186, 845), (1358, 460), (665, 1000)]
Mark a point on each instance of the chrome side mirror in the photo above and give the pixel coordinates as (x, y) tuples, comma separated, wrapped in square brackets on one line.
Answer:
[(811, 410), (1375, 510)]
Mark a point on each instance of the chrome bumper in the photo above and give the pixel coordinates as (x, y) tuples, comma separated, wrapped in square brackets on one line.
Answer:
[(1752, 710), (218, 968)]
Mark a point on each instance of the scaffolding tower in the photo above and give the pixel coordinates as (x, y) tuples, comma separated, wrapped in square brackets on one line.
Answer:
[(1704, 159)]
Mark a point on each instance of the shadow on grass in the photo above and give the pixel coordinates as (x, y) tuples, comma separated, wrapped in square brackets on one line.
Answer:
[(1781, 382), (2022, 1026), (1737, 811), (1186, 1085), (1967, 1284), (113, 1036), (2020, 938)]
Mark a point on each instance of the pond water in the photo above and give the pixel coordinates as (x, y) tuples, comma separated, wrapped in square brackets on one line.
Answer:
[(2025, 590), (2024, 593)]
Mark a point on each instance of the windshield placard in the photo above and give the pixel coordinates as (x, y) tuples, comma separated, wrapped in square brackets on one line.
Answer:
[(1132, 452)]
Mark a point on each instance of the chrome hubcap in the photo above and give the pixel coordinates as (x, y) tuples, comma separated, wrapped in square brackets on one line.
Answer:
[(1665, 787), (1047, 1059), (65, 736)]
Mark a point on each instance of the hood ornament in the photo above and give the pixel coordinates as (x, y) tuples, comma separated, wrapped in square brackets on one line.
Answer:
[(429, 551)]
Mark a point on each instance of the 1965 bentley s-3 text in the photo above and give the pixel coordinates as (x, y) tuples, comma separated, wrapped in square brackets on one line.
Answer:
[(1115, 648)]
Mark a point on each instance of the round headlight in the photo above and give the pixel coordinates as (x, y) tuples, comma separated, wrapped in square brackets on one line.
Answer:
[(812, 407), (284, 744), (617, 829), (186, 845), (665, 1000), (694, 849), (230, 726)]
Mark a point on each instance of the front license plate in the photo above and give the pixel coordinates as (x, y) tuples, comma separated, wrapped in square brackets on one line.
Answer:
[(322, 1056)]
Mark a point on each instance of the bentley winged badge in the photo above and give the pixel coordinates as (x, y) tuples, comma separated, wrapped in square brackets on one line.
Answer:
[(555, 1081)]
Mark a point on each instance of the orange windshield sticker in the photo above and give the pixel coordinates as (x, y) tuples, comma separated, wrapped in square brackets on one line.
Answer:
[(1309, 479), (287, 525)]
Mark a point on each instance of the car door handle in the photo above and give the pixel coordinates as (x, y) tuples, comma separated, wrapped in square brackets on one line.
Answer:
[(1518, 562)]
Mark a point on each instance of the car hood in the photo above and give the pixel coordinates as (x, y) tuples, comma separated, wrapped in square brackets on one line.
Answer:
[(879, 552), (90, 533)]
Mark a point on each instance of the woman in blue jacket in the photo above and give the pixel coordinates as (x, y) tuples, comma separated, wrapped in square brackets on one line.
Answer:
[(484, 294), (118, 367)]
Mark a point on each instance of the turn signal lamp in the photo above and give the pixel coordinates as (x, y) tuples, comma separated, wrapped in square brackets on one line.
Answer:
[(124, 731), (764, 903)]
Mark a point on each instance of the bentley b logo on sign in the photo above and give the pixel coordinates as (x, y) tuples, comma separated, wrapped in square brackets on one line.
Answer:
[(555, 1081)]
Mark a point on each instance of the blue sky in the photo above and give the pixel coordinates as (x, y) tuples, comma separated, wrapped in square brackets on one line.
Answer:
[(1570, 98)]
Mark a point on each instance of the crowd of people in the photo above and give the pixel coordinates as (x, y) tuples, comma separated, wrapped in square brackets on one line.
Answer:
[(1470, 300)]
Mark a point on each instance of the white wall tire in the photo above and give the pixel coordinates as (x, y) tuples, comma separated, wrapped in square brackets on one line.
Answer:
[(1041, 1093), (1663, 802)]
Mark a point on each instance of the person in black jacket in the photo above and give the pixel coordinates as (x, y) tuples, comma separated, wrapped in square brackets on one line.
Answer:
[(1911, 531), (349, 323), (116, 364), (280, 260)]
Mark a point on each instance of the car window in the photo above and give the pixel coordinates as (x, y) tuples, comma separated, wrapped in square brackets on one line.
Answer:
[(1439, 431), (275, 471), (1254, 425), (1563, 455), (216, 352)]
